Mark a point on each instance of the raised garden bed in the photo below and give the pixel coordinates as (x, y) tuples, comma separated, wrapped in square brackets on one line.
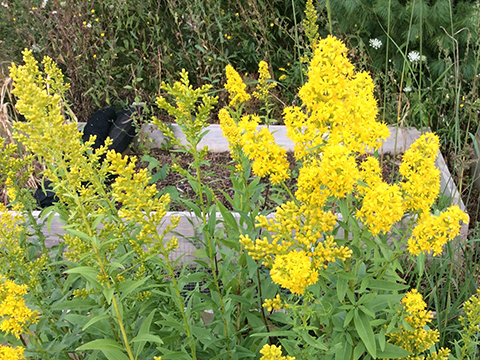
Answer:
[(400, 140)]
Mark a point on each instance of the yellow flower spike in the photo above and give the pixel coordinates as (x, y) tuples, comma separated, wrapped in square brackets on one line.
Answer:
[(294, 271), (269, 159), (10, 353), (14, 313), (272, 352), (338, 101), (419, 339), (382, 207), (264, 85), (235, 87), (422, 184), (273, 304), (433, 232)]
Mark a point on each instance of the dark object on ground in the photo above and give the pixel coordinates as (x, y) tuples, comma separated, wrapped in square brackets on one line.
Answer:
[(107, 123), (103, 123), (99, 124), (45, 198)]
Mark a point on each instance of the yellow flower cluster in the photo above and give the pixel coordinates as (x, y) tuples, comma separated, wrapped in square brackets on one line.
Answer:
[(139, 204), (419, 339), (264, 85), (294, 271), (432, 232), (70, 163), (310, 23), (338, 102), (422, 178), (268, 157), (14, 313), (297, 250), (382, 207), (15, 259), (338, 172), (470, 322), (274, 304), (15, 171), (272, 352), (232, 133), (9, 353), (235, 87)]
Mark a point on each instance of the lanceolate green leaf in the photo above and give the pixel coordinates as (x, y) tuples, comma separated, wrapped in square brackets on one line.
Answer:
[(365, 332)]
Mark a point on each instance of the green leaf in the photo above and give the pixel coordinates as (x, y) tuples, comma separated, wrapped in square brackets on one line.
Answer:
[(94, 320), (144, 330), (344, 352), (343, 203), (126, 287), (108, 293), (386, 285), (358, 351), (101, 344), (228, 217), (392, 352), (147, 337), (342, 286), (365, 332), (316, 343), (381, 339), (115, 355), (75, 304)]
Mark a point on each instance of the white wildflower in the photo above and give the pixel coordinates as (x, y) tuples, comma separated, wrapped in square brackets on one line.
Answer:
[(375, 43), (407, 89), (54, 12), (44, 3), (4, 4), (89, 25), (413, 56)]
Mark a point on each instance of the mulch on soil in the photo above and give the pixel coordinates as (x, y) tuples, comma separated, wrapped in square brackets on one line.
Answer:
[(217, 176)]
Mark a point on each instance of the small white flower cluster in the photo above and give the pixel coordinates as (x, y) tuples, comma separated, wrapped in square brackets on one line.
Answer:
[(44, 3), (413, 56), (407, 89), (375, 43), (4, 4)]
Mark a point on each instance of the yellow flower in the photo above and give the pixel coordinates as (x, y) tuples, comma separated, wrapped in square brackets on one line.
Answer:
[(294, 271), (272, 352), (432, 232), (9, 353), (422, 184), (273, 304), (93, 11), (382, 207), (418, 339), (102, 34), (264, 85), (14, 313), (282, 77), (268, 157), (338, 101), (235, 87)]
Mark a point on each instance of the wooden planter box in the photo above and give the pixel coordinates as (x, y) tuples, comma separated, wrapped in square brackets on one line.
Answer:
[(217, 143)]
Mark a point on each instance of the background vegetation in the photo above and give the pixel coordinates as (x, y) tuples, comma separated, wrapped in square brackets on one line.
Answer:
[(117, 52)]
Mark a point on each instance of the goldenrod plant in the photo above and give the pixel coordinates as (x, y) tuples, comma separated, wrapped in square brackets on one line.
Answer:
[(318, 278)]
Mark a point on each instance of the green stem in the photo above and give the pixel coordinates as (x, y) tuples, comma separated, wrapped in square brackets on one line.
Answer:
[(210, 245), (329, 14), (181, 304)]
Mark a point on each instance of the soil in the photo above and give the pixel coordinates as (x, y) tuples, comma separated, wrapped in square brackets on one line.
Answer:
[(217, 176)]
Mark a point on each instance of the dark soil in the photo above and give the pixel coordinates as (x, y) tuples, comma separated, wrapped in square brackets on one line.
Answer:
[(217, 176)]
